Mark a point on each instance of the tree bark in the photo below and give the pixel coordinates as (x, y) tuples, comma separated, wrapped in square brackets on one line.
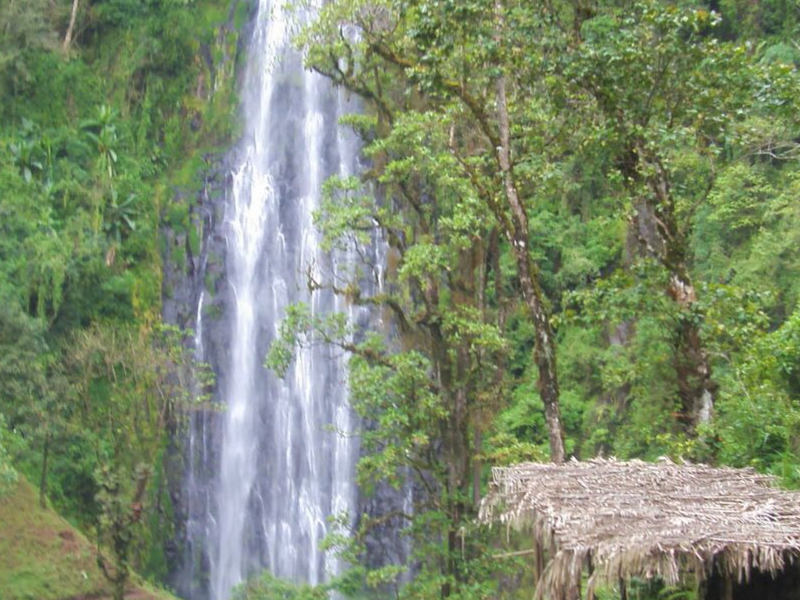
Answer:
[(71, 28), (727, 588), (655, 227), (544, 353), (43, 478), (477, 466), (119, 589), (695, 385), (664, 240)]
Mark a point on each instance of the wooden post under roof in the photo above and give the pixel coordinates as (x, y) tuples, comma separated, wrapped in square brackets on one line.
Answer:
[(727, 588)]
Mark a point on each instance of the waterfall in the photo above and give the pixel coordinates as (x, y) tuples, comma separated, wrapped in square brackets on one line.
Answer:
[(268, 470)]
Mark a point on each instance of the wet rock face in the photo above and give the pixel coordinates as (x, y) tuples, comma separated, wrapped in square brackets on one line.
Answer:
[(194, 266), (193, 269), (186, 266), (384, 543)]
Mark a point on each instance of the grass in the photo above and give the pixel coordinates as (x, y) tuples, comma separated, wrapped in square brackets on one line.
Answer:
[(42, 557)]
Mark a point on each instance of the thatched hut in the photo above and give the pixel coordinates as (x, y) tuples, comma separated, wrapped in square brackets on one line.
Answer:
[(603, 522)]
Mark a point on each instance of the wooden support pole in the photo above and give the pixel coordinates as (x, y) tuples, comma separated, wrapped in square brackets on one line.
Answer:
[(589, 572), (538, 559), (727, 588)]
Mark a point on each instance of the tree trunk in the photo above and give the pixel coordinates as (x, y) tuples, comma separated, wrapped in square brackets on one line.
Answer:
[(119, 589), (43, 479), (727, 588), (695, 385), (660, 237), (544, 353), (71, 28), (477, 467)]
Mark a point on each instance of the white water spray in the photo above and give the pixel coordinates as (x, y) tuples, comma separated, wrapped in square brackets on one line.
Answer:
[(280, 472)]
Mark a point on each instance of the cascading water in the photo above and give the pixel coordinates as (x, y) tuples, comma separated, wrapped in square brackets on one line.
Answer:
[(266, 472)]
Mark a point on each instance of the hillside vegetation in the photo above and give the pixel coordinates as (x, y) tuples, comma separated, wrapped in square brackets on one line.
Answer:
[(43, 557), (108, 112)]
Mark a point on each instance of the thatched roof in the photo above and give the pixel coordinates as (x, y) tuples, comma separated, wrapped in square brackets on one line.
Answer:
[(639, 519)]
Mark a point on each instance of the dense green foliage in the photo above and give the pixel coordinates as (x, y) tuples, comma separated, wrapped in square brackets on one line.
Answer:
[(100, 120), (267, 587), (8, 475), (653, 150)]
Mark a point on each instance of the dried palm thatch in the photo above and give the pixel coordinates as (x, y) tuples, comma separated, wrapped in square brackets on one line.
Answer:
[(634, 519)]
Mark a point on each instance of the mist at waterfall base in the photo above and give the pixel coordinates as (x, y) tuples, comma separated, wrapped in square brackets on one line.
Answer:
[(266, 471)]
